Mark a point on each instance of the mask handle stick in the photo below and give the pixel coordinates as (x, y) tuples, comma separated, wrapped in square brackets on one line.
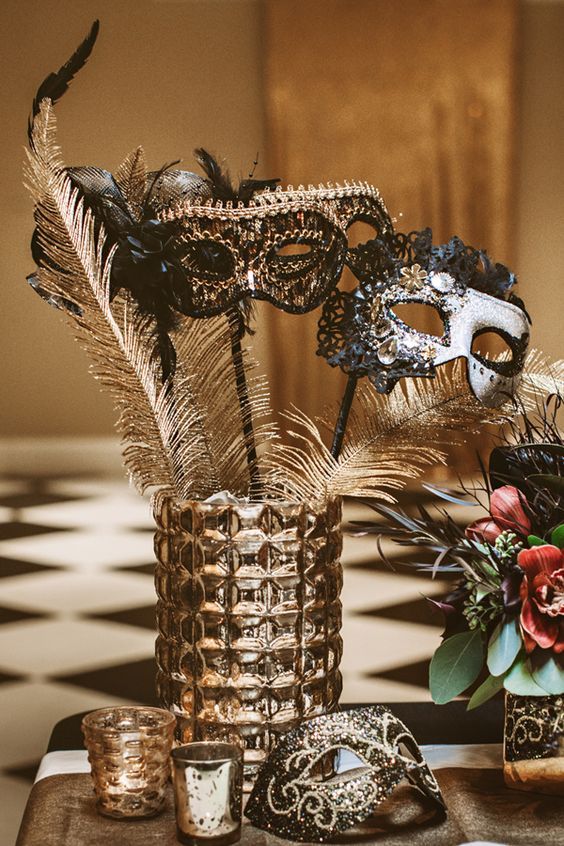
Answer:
[(236, 331), (341, 425)]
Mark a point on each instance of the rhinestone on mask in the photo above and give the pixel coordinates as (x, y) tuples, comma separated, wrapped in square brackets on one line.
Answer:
[(388, 351), (382, 328), (413, 278), (442, 282)]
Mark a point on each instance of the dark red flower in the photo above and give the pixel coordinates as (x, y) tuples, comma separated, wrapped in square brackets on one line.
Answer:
[(507, 513), (484, 530), (542, 594)]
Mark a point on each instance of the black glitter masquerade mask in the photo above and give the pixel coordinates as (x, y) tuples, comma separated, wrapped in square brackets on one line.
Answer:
[(361, 333), (292, 800)]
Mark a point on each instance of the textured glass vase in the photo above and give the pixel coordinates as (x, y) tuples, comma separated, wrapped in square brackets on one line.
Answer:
[(534, 743), (249, 616)]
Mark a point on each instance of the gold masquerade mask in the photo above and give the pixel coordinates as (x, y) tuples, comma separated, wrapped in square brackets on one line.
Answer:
[(186, 244), (287, 247)]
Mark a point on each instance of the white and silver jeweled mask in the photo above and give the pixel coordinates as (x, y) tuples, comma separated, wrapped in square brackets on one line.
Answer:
[(291, 798), (361, 333)]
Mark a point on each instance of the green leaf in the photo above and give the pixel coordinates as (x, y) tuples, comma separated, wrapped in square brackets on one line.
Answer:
[(455, 665), (557, 537), (504, 646), (520, 681), (534, 540), (483, 590), (550, 675), (481, 547), (555, 484), (487, 689)]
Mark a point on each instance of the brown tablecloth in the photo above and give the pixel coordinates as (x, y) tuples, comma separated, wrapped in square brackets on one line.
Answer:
[(60, 812)]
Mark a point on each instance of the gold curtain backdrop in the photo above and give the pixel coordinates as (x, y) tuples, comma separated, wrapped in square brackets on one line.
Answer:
[(417, 98)]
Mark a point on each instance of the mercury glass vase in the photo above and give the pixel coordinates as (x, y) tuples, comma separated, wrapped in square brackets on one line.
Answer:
[(534, 743), (249, 618)]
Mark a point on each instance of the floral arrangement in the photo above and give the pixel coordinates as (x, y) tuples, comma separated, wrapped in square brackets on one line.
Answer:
[(505, 616)]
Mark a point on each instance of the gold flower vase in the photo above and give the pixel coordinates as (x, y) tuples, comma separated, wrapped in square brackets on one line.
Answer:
[(249, 618), (534, 743)]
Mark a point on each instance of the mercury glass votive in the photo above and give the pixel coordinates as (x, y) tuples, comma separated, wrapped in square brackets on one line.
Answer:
[(208, 790), (129, 753)]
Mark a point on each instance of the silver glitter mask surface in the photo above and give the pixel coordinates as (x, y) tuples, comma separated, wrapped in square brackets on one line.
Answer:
[(292, 800), (361, 332)]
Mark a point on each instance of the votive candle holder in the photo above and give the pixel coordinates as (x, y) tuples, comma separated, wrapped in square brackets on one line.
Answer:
[(129, 753), (208, 790)]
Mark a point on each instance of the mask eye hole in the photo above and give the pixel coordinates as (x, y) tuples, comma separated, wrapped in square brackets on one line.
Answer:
[(293, 248), (208, 259), (407, 749), (494, 349), (293, 258), (359, 232), (333, 763), (420, 317)]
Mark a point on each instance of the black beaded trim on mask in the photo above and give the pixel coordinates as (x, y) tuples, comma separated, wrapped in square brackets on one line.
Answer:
[(292, 800), (518, 346)]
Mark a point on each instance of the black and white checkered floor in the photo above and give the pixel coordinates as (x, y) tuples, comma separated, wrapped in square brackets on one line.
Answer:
[(77, 616)]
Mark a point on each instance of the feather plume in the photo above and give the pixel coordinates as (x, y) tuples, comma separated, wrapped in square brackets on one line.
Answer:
[(389, 439), (204, 353), (220, 181), (55, 84), (186, 434), (131, 177), (541, 376), (118, 338)]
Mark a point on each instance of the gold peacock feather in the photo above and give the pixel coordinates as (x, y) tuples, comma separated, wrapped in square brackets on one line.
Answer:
[(541, 376), (389, 439), (131, 176), (204, 350), (186, 434)]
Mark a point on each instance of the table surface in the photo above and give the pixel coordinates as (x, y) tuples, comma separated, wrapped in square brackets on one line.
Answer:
[(61, 811), (429, 723)]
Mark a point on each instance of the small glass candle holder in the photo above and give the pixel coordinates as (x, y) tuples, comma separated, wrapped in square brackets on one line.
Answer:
[(208, 790), (129, 753)]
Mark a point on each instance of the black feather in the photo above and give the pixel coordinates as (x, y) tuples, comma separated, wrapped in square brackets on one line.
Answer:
[(220, 181), (249, 187), (54, 300), (55, 85)]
